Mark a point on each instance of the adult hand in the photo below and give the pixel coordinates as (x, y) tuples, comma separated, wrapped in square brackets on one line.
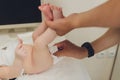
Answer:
[(66, 48), (62, 26)]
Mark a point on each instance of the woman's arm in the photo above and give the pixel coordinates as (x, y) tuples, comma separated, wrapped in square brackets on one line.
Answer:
[(105, 15), (109, 39)]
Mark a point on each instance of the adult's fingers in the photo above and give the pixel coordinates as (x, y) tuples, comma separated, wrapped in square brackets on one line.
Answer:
[(50, 24), (59, 53)]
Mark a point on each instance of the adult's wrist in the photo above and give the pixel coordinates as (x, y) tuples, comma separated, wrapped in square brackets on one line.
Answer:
[(83, 52), (72, 20), (89, 48)]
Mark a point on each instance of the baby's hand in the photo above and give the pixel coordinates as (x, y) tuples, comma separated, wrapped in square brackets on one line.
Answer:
[(20, 51)]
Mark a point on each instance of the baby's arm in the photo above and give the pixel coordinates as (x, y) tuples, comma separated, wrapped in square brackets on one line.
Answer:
[(14, 70), (8, 72)]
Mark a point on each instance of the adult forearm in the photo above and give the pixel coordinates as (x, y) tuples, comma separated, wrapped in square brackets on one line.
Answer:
[(109, 39), (105, 15)]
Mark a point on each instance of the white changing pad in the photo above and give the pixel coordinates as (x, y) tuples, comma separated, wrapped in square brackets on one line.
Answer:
[(7, 52), (66, 69)]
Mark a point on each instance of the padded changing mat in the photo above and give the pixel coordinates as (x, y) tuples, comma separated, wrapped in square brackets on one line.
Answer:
[(65, 69)]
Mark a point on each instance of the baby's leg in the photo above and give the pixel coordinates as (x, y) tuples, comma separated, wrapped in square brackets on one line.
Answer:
[(38, 31), (45, 8), (41, 55), (47, 12), (49, 35), (57, 12)]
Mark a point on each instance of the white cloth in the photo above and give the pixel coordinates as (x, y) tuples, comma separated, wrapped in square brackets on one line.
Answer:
[(66, 69), (7, 54)]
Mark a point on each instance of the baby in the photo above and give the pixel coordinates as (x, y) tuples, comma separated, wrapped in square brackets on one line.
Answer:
[(34, 58)]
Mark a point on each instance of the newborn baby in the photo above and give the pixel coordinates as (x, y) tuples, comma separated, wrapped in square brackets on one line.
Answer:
[(34, 58)]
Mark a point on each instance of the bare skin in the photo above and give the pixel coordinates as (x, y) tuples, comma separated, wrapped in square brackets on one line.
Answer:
[(45, 8), (110, 38), (105, 15), (43, 26), (13, 70), (34, 58)]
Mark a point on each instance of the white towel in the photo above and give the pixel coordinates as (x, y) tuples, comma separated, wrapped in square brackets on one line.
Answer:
[(7, 54), (65, 69)]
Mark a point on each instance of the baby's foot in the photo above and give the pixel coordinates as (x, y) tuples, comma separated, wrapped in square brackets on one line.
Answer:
[(45, 8), (57, 12)]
